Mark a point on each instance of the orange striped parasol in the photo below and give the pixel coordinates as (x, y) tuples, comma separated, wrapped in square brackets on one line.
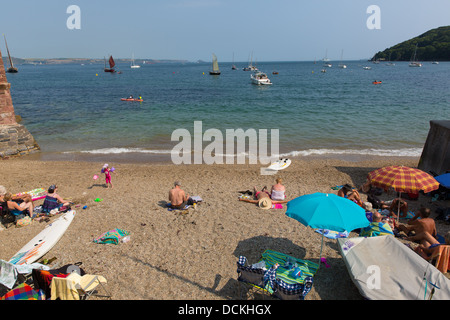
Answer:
[(403, 179)]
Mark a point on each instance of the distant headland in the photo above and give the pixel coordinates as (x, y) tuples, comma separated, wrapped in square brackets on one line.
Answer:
[(433, 45)]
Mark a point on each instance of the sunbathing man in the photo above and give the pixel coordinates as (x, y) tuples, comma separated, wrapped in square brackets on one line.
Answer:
[(421, 227), (177, 197)]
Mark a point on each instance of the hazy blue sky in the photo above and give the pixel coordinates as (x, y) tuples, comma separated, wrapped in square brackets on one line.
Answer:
[(283, 30)]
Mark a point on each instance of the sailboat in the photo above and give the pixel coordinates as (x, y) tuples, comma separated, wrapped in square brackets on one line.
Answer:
[(233, 66), (326, 61), (250, 67), (133, 65), (215, 66), (413, 62), (11, 69), (111, 65), (389, 63), (341, 65)]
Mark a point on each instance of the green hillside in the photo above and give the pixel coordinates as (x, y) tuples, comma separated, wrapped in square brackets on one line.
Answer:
[(433, 45)]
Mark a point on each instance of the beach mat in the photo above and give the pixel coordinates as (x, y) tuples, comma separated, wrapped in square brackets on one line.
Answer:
[(36, 194)]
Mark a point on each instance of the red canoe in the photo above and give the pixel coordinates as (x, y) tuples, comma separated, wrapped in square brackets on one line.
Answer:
[(127, 99)]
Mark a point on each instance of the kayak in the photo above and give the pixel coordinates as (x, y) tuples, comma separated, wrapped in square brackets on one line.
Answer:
[(376, 82), (128, 99)]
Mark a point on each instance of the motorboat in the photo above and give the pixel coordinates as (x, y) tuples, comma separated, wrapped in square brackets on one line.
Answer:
[(260, 78)]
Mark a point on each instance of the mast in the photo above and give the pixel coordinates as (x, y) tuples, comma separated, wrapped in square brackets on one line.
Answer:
[(12, 68)]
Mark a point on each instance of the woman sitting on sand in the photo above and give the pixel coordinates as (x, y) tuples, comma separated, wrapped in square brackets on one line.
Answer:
[(278, 191), (18, 211), (349, 193), (53, 200)]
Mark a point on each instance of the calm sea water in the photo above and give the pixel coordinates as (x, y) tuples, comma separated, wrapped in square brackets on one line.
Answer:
[(75, 110)]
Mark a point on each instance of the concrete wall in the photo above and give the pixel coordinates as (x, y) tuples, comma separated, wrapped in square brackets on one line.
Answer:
[(436, 152)]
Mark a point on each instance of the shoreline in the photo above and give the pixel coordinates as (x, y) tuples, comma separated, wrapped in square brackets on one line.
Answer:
[(155, 158), (192, 256)]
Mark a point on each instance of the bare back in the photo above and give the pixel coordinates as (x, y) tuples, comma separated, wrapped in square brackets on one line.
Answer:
[(177, 196)]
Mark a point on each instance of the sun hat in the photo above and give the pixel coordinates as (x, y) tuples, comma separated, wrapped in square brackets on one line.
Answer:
[(265, 203), (105, 166)]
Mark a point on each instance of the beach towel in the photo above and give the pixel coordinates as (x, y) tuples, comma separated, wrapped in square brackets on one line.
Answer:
[(172, 209), (286, 266), (330, 234), (113, 236), (36, 194), (443, 258), (9, 272), (376, 229), (22, 292)]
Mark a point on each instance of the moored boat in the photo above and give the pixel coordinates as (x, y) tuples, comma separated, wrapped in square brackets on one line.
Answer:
[(11, 68)]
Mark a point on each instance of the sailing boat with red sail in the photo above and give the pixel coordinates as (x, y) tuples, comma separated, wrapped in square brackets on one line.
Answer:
[(111, 65)]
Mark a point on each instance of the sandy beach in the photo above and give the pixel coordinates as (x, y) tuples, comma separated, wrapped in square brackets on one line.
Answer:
[(173, 256)]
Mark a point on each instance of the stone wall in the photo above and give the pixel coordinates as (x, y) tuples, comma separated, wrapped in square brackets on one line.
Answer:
[(14, 138), (436, 152)]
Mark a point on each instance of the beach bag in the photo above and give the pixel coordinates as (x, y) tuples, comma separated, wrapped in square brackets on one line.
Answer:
[(113, 236), (23, 222)]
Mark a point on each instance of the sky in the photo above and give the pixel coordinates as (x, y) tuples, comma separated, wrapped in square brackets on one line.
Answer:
[(282, 30)]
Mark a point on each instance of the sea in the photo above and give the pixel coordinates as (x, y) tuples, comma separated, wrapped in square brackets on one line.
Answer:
[(75, 112)]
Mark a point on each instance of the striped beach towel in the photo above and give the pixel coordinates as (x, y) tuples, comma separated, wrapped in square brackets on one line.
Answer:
[(376, 229), (113, 236), (284, 272)]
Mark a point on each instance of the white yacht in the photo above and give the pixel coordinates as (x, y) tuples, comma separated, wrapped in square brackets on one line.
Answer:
[(260, 78)]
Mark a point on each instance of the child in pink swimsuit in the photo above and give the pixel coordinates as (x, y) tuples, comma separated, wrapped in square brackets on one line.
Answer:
[(107, 173)]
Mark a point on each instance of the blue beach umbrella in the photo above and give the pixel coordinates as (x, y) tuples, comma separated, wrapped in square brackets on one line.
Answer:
[(444, 180), (327, 211)]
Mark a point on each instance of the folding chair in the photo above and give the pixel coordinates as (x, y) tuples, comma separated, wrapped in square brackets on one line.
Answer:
[(250, 275), (286, 291), (76, 287)]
